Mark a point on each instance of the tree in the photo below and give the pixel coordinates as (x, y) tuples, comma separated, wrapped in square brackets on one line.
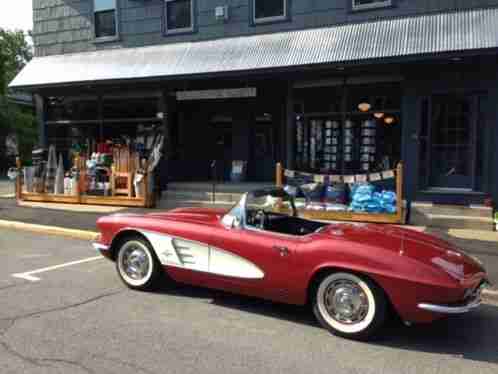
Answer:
[(15, 53)]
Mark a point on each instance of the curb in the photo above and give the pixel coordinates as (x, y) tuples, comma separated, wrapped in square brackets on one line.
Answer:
[(49, 230)]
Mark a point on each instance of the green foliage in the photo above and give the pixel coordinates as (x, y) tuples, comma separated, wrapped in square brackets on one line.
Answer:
[(15, 52)]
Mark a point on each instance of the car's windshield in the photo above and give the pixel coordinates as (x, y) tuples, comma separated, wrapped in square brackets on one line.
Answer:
[(261, 200)]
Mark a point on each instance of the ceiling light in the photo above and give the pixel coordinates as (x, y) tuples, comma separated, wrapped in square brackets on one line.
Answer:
[(389, 120), (379, 115), (364, 107)]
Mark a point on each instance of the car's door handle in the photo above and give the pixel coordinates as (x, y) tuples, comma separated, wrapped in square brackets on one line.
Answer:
[(284, 251)]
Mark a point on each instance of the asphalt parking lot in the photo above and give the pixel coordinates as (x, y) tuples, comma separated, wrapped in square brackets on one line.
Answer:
[(77, 317)]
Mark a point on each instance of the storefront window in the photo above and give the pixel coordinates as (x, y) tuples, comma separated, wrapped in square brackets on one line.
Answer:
[(179, 16), (105, 18), (369, 4), (269, 10), (349, 130)]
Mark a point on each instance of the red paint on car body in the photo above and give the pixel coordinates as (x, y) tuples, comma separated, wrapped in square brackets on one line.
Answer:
[(410, 267)]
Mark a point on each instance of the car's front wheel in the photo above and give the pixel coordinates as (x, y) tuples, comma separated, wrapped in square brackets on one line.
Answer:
[(349, 305), (137, 264)]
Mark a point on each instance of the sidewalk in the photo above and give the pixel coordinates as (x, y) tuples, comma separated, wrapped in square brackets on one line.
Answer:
[(77, 217), (482, 244), (6, 188)]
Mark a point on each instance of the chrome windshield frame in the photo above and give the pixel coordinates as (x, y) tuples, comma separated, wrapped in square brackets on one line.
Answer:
[(229, 219)]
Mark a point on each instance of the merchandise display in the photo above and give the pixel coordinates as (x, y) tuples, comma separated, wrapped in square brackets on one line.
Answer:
[(370, 197), (116, 168), (364, 197), (367, 145), (358, 143)]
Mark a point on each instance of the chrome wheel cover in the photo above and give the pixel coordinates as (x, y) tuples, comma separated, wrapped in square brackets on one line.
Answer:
[(135, 263), (346, 302)]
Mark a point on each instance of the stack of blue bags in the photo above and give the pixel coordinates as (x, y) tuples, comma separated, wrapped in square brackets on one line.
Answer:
[(364, 198)]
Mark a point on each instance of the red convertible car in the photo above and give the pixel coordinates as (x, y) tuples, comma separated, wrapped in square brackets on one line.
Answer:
[(353, 275)]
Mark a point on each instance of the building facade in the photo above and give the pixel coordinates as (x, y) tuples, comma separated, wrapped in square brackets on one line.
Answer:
[(338, 87)]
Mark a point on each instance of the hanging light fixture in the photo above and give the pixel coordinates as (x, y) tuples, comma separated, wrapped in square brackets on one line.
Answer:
[(389, 120), (379, 115), (364, 107)]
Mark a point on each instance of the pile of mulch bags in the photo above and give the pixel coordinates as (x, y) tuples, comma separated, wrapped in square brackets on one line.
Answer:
[(364, 198), (361, 197)]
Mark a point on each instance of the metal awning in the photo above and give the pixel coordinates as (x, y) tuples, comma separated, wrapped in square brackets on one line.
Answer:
[(410, 36)]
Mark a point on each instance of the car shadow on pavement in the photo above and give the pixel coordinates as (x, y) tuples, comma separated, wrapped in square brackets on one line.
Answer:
[(471, 336), (293, 313)]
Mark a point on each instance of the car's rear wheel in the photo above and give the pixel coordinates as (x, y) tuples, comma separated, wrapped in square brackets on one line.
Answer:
[(349, 305), (137, 264)]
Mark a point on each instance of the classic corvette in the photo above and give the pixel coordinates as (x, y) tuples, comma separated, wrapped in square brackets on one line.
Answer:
[(354, 275)]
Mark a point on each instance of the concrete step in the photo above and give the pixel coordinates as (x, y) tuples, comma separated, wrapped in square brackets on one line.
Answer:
[(207, 187), (453, 210), (201, 196), (456, 217)]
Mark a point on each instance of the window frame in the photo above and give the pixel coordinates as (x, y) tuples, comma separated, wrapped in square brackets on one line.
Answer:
[(110, 38), (378, 4), (183, 30), (265, 20)]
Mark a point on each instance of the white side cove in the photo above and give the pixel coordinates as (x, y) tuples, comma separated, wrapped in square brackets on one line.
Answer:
[(197, 256)]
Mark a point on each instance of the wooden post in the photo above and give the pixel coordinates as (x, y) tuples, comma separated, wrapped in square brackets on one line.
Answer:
[(399, 191), (18, 179), (279, 175), (146, 190)]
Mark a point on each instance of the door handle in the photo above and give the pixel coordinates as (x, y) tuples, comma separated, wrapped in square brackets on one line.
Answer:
[(283, 251)]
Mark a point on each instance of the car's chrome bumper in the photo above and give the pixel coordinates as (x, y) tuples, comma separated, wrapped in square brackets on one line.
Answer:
[(447, 309), (465, 307), (100, 247)]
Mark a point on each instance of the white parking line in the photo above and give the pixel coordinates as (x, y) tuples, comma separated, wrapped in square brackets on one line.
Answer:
[(29, 274)]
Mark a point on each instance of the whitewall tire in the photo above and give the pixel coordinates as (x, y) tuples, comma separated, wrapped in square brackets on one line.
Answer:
[(349, 305), (137, 264)]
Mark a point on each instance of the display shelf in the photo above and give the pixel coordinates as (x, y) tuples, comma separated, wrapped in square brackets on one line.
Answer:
[(147, 201)]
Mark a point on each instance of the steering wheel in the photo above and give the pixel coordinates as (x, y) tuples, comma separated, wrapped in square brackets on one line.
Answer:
[(261, 215)]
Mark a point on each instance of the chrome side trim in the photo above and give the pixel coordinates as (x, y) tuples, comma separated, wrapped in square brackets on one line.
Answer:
[(451, 309), (193, 255), (100, 247)]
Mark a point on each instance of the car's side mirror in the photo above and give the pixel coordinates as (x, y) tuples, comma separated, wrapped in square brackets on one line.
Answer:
[(231, 221), (235, 223)]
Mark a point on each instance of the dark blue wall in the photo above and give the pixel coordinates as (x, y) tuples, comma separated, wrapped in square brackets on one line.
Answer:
[(66, 26), (422, 81)]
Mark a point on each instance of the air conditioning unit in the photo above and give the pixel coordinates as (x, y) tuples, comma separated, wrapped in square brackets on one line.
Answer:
[(221, 12)]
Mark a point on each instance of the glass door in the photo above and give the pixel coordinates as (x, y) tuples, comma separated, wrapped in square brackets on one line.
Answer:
[(452, 153)]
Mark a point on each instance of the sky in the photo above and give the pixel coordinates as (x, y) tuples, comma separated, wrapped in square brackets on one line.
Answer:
[(16, 15)]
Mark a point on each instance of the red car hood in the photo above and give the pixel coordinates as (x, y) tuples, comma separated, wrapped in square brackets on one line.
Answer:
[(424, 248), (205, 216)]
